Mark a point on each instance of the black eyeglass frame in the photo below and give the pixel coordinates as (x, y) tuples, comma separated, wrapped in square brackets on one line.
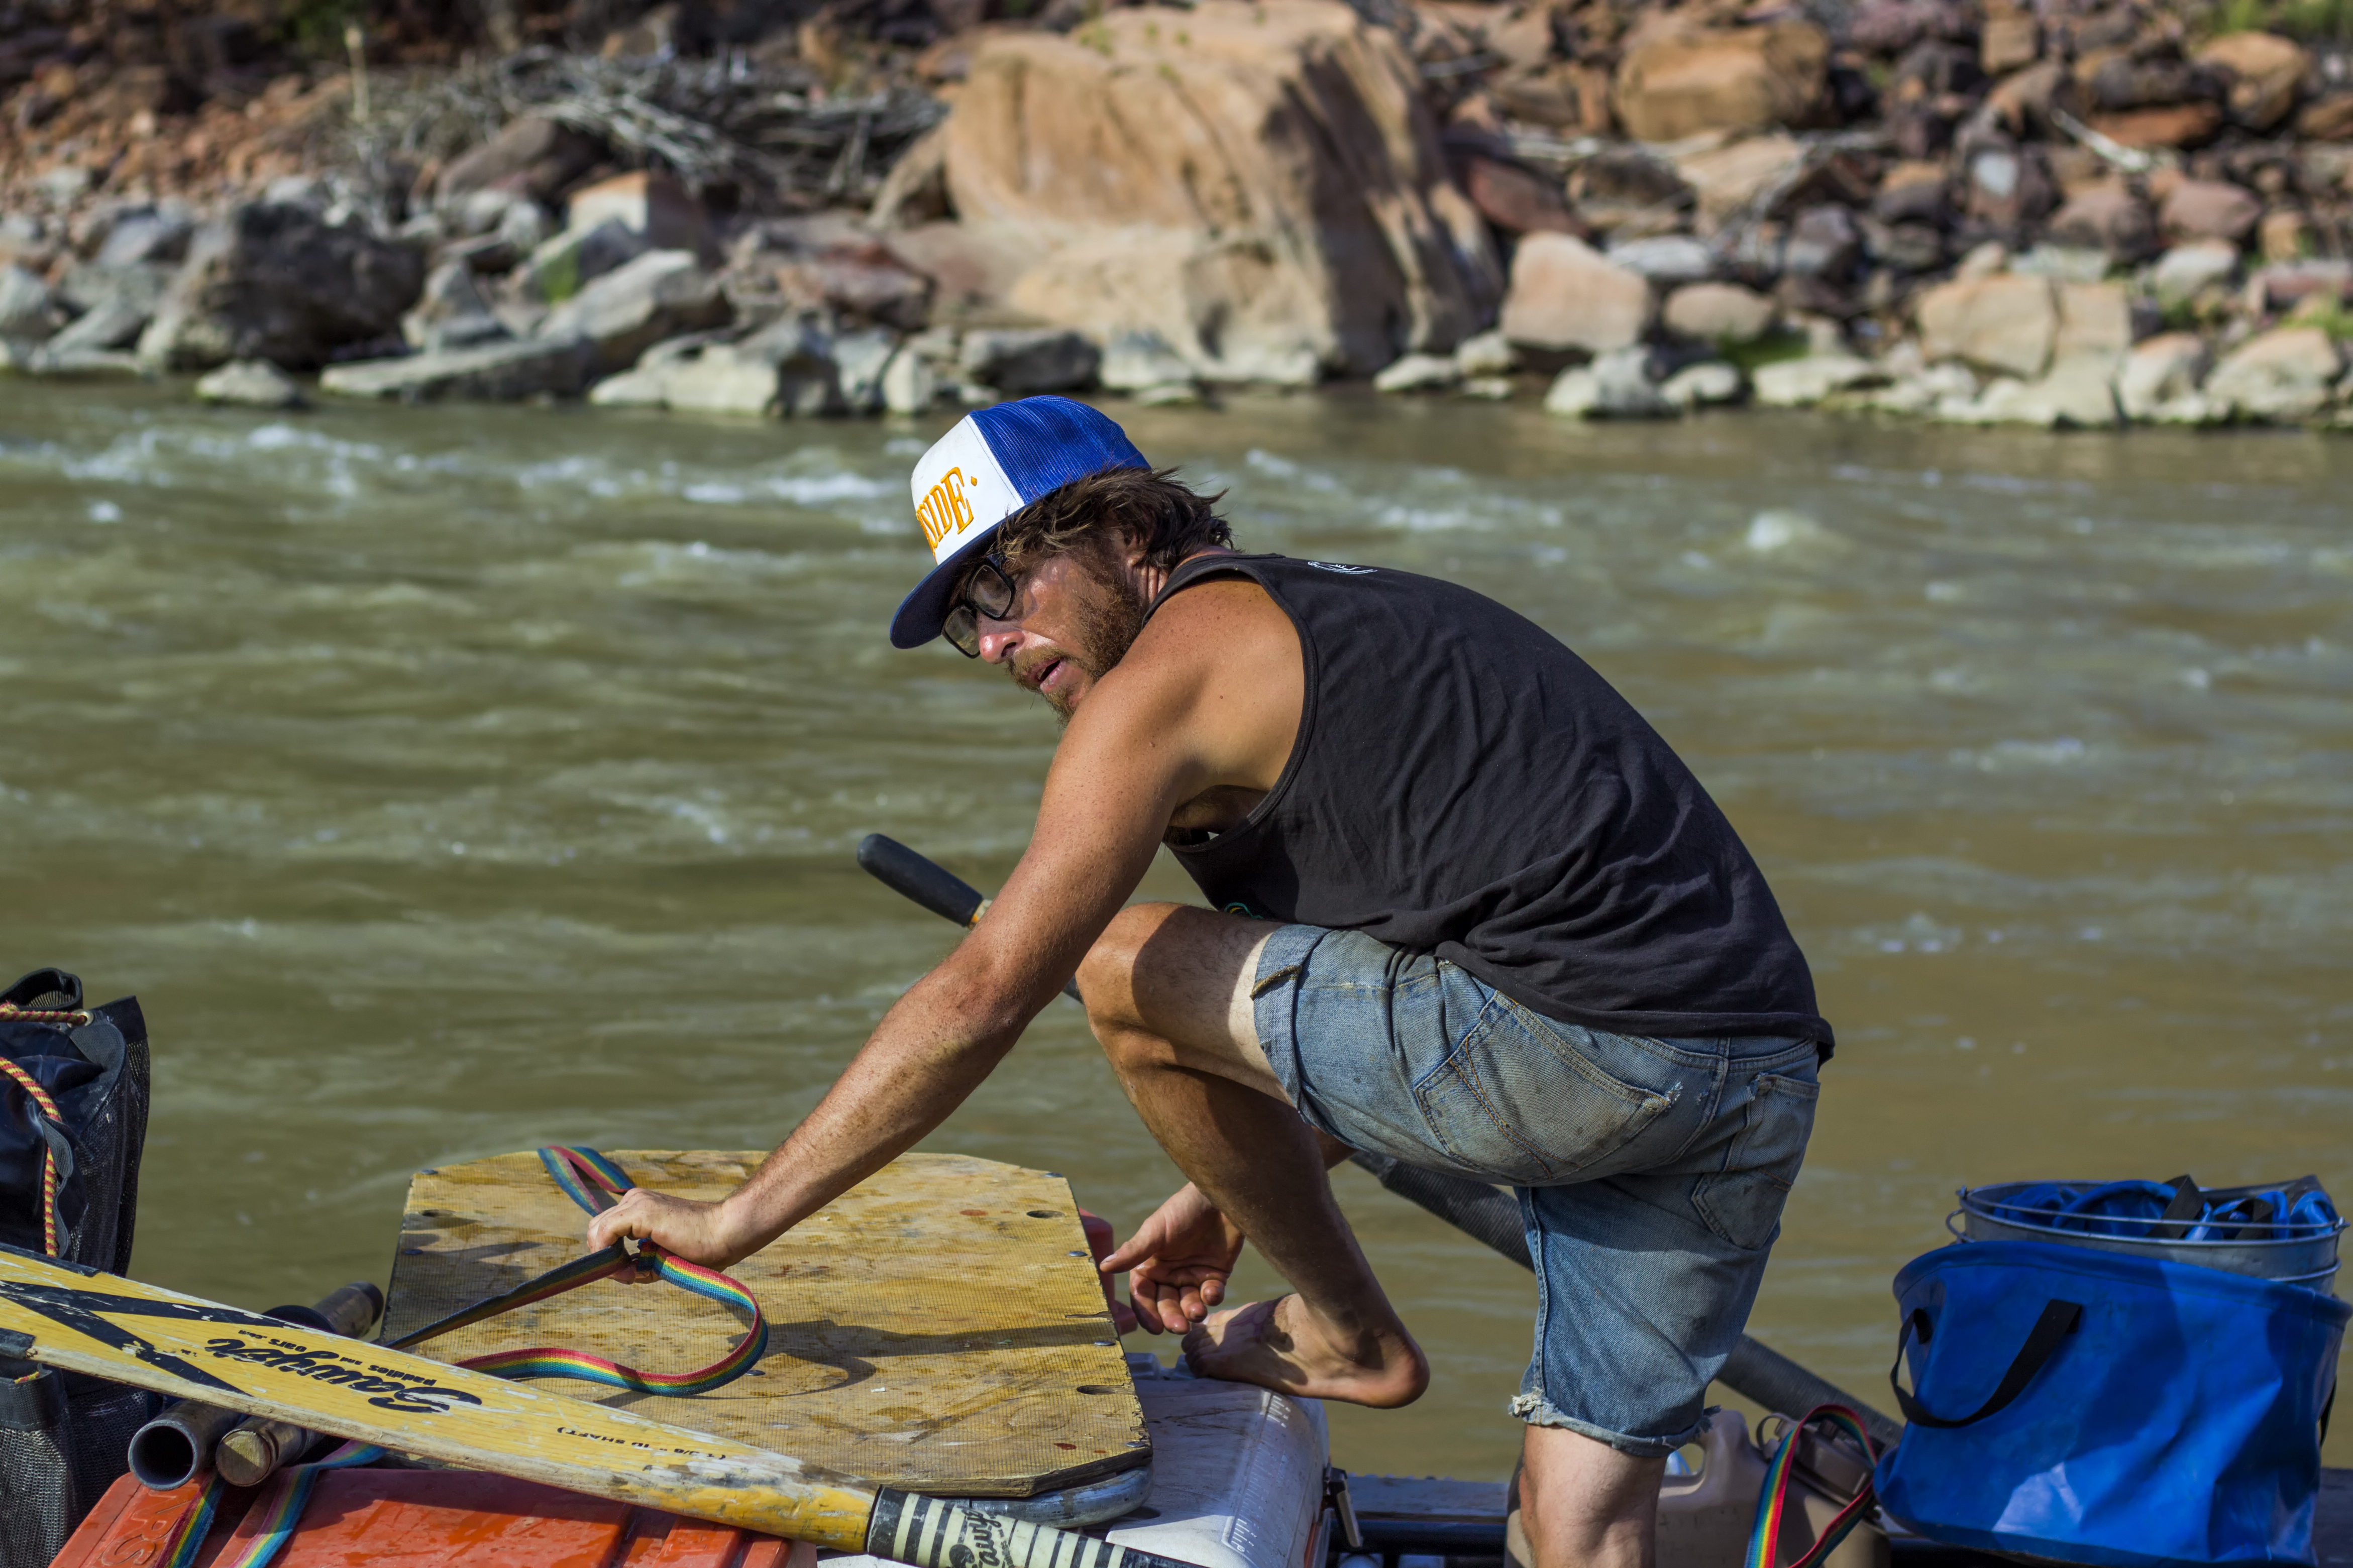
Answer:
[(961, 626)]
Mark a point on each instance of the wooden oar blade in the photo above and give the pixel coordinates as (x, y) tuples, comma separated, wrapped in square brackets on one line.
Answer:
[(70, 1316), (66, 1316)]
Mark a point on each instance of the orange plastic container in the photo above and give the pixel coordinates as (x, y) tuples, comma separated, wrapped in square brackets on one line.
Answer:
[(415, 1519)]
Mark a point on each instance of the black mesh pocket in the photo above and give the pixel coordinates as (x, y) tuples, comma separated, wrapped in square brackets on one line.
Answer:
[(100, 1417), (37, 1481)]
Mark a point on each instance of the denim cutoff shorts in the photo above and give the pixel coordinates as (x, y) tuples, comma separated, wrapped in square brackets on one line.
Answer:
[(1650, 1173)]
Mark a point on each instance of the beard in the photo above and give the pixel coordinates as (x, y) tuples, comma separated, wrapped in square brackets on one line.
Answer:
[(1107, 617)]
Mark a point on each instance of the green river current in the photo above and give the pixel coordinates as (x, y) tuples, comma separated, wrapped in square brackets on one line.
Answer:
[(452, 781)]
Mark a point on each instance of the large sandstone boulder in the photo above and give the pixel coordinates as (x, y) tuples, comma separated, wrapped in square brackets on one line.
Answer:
[(278, 281), (2077, 395), (2161, 371), (1802, 383), (1720, 313), (649, 203), (2286, 373), (2094, 324), (1727, 179), (2186, 270), (1680, 83), (2209, 209), (1566, 295), (2005, 325), (2106, 218), (2265, 70), (1260, 184)]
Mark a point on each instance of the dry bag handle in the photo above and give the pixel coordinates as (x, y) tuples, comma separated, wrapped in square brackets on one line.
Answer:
[(2059, 1320)]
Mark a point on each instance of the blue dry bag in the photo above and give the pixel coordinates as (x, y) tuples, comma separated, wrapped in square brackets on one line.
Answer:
[(2108, 1409)]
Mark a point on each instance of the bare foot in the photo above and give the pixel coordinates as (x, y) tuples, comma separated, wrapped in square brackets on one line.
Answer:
[(1280, 1344)]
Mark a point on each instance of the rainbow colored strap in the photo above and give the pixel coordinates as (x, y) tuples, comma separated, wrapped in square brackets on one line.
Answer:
[(279, 1511), (43, 1106), (1772, 1503), (193, 1528), (593, 1182)]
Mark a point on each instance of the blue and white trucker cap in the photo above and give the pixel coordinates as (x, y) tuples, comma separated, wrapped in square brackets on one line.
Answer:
[(994, 462)]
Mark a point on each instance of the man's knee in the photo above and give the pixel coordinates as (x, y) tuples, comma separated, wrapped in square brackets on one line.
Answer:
[(1107, 975)]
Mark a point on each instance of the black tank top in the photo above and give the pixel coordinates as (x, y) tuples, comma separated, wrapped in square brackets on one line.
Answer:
[(1463, 784)]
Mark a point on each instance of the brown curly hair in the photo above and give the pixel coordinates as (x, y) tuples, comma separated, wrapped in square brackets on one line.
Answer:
[(1135, 507)]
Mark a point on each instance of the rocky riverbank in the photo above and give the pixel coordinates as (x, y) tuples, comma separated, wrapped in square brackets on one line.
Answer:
[(2063, 213)]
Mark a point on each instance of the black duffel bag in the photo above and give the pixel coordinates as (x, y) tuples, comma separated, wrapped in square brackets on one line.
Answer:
[(62, 1435)]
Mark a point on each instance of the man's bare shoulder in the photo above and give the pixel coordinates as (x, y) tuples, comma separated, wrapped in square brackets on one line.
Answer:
[(1211, 615), (1217, 677)]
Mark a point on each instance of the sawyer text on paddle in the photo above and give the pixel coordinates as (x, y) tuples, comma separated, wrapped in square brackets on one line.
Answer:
[(390, 1390)]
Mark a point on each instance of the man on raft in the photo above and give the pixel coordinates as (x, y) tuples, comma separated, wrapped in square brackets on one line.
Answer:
[(1467, 908)]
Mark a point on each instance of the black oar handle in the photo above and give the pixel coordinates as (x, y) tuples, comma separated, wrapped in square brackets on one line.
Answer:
[(928, 883), (1489, 1214)]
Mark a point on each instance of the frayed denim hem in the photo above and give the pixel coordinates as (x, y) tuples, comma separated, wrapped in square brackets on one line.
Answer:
[(1537, 1411)]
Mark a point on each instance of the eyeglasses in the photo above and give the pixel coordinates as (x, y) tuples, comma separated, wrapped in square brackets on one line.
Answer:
[(988, 592)]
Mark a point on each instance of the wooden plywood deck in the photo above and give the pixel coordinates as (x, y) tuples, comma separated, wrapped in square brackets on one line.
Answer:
[(938, 1327)]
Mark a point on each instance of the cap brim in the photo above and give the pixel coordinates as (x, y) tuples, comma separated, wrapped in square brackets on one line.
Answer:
[(921, 613)]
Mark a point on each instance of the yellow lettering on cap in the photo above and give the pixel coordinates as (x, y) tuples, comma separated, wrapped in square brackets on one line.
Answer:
[(944, 510)]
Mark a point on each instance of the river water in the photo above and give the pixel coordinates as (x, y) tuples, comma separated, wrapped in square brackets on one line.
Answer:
[(447, 782)]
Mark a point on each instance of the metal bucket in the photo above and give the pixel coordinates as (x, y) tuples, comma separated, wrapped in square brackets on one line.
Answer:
[(2290, 1253)]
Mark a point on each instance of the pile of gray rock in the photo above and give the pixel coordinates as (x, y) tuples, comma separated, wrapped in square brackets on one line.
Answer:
[(2055, 336), (2078, 214)]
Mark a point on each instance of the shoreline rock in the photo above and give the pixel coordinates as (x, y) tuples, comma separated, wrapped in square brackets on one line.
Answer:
[(1915, 208)]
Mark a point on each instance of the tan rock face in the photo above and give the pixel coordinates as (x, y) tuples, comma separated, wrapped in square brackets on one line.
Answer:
[(649, 203), (2095, 322), (1566, 97), (2159, 370), (1566, 295), (1726, 179), (2285, 374), (1719, 313), (1679, 84), (2265, 72), (2329, 119), (2010, 40), (2106, 217), (2208, 209), (1255, 183), (2005, 323)]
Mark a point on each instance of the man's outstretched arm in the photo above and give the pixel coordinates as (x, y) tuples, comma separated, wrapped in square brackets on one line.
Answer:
[(1124, 763)]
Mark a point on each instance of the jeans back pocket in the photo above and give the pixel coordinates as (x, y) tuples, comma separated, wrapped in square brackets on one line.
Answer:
[(1742, 1201), (1528, 1101)]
